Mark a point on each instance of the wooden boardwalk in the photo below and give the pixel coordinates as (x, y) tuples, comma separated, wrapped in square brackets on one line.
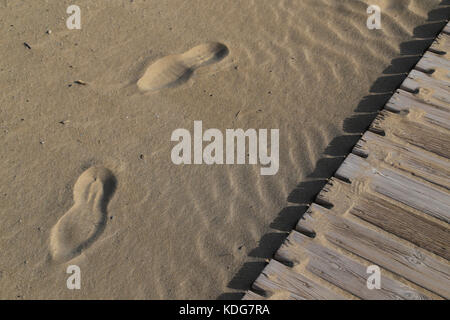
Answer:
[(387, 205)]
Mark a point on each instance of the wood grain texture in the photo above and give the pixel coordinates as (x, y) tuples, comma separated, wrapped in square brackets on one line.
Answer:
[(405, 158), (418, 80), (431, 62), (250, 295), (398, 186), (442, 44), (390, 216), (277, 278), (403, 101), (433, 237), (419, 134), (342, 271), (384, 250)]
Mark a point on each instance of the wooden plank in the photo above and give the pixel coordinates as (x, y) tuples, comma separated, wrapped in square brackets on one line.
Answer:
[(279, 279), (403, 101), (447, 28), (392, 217), (342, 271), (397, 186), (432, 61), (419, 134), (433, 88), (250, 295), (441, 45), (405, 158), (306, 225), (410, 262), (418, 80), (420, 231), (415, 100)]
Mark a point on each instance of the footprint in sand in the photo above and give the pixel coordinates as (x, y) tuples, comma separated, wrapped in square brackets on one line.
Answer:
[(174, 70), (79, 227)]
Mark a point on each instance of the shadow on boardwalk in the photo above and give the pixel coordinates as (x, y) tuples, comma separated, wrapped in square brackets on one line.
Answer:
[(335, 153)]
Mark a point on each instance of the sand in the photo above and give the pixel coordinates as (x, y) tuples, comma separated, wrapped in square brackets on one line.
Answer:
[(86, 118)]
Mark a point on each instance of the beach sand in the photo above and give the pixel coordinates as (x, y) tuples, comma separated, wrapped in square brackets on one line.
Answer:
[(86, 118)]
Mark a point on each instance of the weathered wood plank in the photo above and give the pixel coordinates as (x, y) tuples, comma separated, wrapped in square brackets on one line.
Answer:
[(250, 295), (408, 100), (447, 28), (392, 217), (342, 271), (410, 262), (433, 62), (397, 186), (416, 133), (336, 194), (404, 157), (403, 101), (418, 80), (420, 231), (441, 45), (433, 87), (278, 279)]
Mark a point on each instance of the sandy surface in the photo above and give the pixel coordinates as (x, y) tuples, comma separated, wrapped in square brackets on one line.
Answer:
[(137, 225)]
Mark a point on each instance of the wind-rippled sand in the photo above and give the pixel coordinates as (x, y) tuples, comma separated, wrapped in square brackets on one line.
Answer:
[(169, 231)]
